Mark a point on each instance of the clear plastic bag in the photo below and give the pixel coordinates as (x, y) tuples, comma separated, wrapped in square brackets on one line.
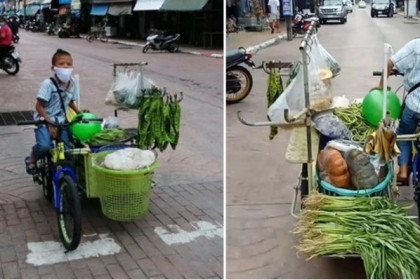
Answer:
[(111, 122), (330, 61), (331, 126), (293, 97), (127, 89)]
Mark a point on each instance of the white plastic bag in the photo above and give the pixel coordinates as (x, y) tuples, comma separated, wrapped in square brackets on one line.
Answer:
[(129, 159), (293, 98), (111, 122), (328, 58), (343, 146), (127, 89), (340, 102)]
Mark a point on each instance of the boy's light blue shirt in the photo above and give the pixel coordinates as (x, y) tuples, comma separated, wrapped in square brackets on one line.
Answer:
[(49, 94), (407, 61)]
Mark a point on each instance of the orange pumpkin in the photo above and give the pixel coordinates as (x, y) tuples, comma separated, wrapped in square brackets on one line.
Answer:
[(333, 168)]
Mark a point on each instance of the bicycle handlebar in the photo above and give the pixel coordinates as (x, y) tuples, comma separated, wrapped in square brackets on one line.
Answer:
[(394, 72), (76, 120)]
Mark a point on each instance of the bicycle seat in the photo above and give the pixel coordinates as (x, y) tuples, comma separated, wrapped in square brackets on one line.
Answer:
[(234, 54)]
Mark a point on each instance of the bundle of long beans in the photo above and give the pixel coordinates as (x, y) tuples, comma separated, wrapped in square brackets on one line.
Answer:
[(377, 229)]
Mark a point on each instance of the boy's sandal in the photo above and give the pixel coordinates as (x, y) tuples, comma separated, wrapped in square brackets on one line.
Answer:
[(403, 182), (30, 167)]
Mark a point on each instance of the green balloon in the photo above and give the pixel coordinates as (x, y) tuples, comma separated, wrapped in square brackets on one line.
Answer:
[(84, 131), (373, 103)]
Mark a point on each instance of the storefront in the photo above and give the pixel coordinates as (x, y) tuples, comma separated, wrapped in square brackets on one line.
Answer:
[(195, 21), (148, 16), (115, 16)]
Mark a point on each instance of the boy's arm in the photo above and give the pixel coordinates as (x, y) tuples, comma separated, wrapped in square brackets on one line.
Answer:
[(44, 95)]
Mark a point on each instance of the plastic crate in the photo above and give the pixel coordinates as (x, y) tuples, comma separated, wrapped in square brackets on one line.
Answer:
[(379, 190), (124, 195)]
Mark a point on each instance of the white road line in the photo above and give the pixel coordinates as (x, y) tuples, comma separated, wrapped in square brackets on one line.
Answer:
[(51, 252)]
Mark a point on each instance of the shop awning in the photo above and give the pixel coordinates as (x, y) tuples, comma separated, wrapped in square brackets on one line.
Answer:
[(120, 9), (31, 10), (64, 2), (46, 2), (183, 5), (99, 9), (148, 5)]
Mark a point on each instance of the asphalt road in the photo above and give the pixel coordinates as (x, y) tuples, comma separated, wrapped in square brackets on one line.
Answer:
[(260, 181)]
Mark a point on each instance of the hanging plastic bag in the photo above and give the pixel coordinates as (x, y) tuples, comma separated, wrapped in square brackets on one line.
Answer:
[(127, 89), (293, 98), (330, 61)]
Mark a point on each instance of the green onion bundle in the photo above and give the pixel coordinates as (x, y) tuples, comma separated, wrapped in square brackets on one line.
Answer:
[(387, 240)]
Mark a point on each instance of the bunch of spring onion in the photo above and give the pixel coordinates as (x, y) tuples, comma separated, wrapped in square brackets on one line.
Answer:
[(387, 240)]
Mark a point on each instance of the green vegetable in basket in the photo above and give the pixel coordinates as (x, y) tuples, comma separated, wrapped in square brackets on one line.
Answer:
[(108, 136), (353, 119), (375, 228)]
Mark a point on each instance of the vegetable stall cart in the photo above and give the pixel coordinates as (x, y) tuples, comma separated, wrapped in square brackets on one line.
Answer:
[(341, 223)]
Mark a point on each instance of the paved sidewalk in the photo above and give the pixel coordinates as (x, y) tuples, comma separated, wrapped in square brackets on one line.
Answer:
[(186, 50), (144, 252), (255, 41)]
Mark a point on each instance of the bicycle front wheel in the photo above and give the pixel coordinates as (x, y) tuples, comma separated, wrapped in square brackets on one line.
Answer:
[(69, 217)]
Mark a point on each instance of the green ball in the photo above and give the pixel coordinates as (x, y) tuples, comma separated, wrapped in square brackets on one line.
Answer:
[(84, 131), (373, 103)]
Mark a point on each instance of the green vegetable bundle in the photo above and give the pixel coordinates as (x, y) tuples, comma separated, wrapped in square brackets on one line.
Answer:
[(373, 227), (108, 136), (159, 120), (274, 90), (353, 119)]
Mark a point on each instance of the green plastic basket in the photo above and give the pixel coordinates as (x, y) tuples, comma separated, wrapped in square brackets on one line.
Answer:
[(124, 195)]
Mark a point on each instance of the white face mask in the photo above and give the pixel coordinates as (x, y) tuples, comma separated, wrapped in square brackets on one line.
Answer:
[(63, 74)]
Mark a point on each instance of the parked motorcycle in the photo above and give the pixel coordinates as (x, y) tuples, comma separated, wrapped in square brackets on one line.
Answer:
[(162, 40), (301, 23), (28, 25), (68, 31), (238, 79), (15, 38), (9, 60), (50, 29)]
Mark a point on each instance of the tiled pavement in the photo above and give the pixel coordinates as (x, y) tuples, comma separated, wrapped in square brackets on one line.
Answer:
[(143, 254)]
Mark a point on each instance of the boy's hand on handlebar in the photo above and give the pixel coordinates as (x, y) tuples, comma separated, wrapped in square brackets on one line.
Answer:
[(53, 131)]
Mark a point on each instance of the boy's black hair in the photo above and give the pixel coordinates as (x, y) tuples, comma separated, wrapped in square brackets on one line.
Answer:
[(57, 54)]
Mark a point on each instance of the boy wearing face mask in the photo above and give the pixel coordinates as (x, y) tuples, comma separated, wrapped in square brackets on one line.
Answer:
[(55, 96)]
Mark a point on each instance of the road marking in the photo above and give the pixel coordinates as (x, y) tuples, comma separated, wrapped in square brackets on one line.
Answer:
[(51, 252), (203, 228)]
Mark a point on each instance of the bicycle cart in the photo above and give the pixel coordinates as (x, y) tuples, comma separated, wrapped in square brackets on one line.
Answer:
[(305, 144), (69, 175)]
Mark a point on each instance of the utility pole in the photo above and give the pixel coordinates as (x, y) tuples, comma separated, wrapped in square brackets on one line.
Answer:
[(287, 8)]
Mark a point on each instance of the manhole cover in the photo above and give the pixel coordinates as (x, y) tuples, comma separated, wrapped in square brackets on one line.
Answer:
[(11, 118)]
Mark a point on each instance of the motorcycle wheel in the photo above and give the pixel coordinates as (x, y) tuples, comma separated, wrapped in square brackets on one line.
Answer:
[(16, 41), (294, 32), (236, 97), (146, 48), (26, 28), (174, 47), (14, 68), (104, 39)]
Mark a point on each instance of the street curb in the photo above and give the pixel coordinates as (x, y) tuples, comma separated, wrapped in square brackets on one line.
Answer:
[(415, 18), (205, 54), (274, 41)]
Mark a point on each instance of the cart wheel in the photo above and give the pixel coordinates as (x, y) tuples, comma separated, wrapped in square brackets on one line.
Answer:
[(304, 186), (47, 184), (69, 217)]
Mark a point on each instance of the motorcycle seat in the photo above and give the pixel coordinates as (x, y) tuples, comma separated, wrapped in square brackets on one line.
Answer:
[(234, 54)]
